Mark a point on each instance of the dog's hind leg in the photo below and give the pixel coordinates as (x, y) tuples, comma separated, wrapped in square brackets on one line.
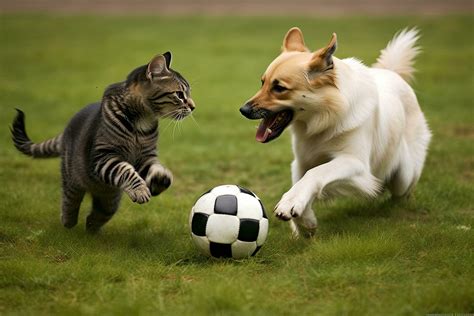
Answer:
[(405, 176), (412, 160)]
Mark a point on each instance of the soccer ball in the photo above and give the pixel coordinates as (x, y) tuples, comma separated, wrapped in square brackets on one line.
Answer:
[(229, 221)]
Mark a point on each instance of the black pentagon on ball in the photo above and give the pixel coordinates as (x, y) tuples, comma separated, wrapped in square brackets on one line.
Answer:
[(246, 191), (248, 230), (226, 204), (198, 224), (263, 209), (220, 250)]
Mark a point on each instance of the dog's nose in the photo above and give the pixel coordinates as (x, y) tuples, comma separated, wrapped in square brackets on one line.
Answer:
[(247, 110)]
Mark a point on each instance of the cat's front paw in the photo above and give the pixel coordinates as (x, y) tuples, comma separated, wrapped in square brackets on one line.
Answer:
[(158, 179), (140, 194)]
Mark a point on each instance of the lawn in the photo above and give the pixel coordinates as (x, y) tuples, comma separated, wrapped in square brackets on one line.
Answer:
[(368, 258)]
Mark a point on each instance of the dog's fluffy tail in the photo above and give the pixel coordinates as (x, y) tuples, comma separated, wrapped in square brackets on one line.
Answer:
[(399, 55)]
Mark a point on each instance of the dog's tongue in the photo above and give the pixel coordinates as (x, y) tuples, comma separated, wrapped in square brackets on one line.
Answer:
[(264, 130)]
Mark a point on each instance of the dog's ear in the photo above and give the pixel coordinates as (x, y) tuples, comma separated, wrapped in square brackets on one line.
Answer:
[(294, 41), (322, 58)]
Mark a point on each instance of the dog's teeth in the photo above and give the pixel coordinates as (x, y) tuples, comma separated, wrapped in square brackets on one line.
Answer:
[(269, 131)]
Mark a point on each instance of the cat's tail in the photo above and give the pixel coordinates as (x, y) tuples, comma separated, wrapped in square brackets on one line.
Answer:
[(47, 149)]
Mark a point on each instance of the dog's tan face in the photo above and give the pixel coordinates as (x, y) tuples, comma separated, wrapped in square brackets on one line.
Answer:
[(295, 83)]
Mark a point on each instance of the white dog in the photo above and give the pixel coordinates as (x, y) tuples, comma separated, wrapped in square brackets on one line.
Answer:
[(355, 129)]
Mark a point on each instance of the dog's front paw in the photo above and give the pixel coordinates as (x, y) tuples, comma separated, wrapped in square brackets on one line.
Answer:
[(291, 205), (140, 194), (158, 179)]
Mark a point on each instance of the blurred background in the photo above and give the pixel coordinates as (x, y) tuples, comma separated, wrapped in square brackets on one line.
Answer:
[(243, 7)]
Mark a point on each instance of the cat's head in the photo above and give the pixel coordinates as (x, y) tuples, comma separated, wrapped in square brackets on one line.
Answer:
[(161, 88)]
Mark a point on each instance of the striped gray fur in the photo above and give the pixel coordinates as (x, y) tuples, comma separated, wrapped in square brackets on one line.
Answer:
[(48, 148), (109, 147)]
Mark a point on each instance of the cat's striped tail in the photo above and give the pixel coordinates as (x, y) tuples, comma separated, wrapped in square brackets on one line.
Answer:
[(47, 149)]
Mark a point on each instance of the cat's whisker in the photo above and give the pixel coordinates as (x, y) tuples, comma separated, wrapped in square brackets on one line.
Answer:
[(183, 115), (167, 126), (178, 126), (174, 127), (170, 114), (194, 120), (180, 122), (173, 115)]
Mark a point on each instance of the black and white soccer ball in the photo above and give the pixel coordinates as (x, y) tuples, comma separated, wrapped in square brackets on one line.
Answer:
[(229, 221)]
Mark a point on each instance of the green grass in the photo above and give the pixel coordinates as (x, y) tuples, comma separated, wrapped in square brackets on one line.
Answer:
[(369, 257)]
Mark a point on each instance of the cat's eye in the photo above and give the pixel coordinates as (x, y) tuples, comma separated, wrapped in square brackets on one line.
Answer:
[(180, 95), (279, 88)]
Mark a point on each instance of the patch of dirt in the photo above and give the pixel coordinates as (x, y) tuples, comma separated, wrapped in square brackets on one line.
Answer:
[(60, 258), (468, 170), (242, 7), (464, 131)]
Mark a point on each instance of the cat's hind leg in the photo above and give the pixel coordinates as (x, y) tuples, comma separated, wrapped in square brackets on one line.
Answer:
[(104, 207), (70, 204)]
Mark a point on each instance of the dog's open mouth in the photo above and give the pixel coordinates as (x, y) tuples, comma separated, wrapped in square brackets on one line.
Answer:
[(273, 125)]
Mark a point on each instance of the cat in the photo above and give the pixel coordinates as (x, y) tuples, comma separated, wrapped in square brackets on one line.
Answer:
[(109, 147)]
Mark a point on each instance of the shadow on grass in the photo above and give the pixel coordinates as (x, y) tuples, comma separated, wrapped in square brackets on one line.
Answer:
[(138, 241), (171, 245), (355, 216)]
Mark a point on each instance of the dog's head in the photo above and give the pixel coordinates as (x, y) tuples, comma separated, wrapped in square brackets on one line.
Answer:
[(297, 85)]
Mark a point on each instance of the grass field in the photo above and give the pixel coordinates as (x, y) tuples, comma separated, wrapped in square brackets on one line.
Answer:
[(369, 257)]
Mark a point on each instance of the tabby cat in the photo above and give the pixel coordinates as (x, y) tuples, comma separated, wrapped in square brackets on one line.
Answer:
[(109, 147)]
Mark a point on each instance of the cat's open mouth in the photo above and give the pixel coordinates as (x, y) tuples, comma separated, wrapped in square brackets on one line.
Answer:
[(272, 125)]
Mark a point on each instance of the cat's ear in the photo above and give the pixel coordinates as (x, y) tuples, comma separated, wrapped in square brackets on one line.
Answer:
[(168, 58), (157, 67)]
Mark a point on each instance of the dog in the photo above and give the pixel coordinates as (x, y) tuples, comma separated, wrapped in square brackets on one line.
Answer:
[(355, 129)]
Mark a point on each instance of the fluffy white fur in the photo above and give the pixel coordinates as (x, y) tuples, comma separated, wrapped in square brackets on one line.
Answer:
[(400, 54), (377, 137)]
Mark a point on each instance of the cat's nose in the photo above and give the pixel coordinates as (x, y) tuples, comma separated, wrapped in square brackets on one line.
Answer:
[(191, 104)]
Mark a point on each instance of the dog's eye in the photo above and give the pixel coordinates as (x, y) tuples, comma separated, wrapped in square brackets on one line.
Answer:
[(263, 81), (278, 88)]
